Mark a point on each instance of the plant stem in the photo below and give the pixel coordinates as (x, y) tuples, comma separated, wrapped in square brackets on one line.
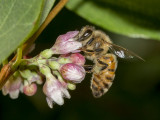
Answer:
[(18, 59)]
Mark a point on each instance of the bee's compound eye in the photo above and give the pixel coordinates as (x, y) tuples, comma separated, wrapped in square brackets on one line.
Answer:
[(86, 35)]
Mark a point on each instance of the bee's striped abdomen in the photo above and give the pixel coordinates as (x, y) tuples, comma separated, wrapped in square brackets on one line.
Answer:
[(102, 80)]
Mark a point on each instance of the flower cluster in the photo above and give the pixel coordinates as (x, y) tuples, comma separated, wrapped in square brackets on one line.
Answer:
[(57, 74)]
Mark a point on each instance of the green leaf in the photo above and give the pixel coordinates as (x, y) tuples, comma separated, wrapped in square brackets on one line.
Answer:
[(46, 9), (134, 18), (19, 19)]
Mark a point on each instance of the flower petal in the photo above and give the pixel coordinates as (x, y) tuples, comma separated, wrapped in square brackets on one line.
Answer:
[(57, 97), (14, 94), (49, 102), (5, 88), (66, 93)]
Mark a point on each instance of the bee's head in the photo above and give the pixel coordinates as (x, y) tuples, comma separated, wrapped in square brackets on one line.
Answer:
[(85, 33)]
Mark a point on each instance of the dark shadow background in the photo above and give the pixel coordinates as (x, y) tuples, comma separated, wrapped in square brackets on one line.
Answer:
[(135, 94)]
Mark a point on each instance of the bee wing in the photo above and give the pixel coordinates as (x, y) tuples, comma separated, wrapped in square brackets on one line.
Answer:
[(122, 52)]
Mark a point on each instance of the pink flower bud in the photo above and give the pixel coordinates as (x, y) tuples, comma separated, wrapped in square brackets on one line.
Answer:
[(30, 89), (72, 72), (78, 59), (75, 58), (66, 43)]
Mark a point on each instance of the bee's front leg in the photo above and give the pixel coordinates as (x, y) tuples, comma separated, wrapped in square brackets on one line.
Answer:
[(88, 68)]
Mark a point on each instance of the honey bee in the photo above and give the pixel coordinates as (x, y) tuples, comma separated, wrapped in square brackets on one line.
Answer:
[(96, 45)]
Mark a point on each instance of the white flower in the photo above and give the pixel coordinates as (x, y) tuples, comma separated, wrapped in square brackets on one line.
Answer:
[(55, 91), (12, 87)]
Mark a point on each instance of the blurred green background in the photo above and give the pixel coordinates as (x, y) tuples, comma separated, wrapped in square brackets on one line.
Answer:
[(135, 94)]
